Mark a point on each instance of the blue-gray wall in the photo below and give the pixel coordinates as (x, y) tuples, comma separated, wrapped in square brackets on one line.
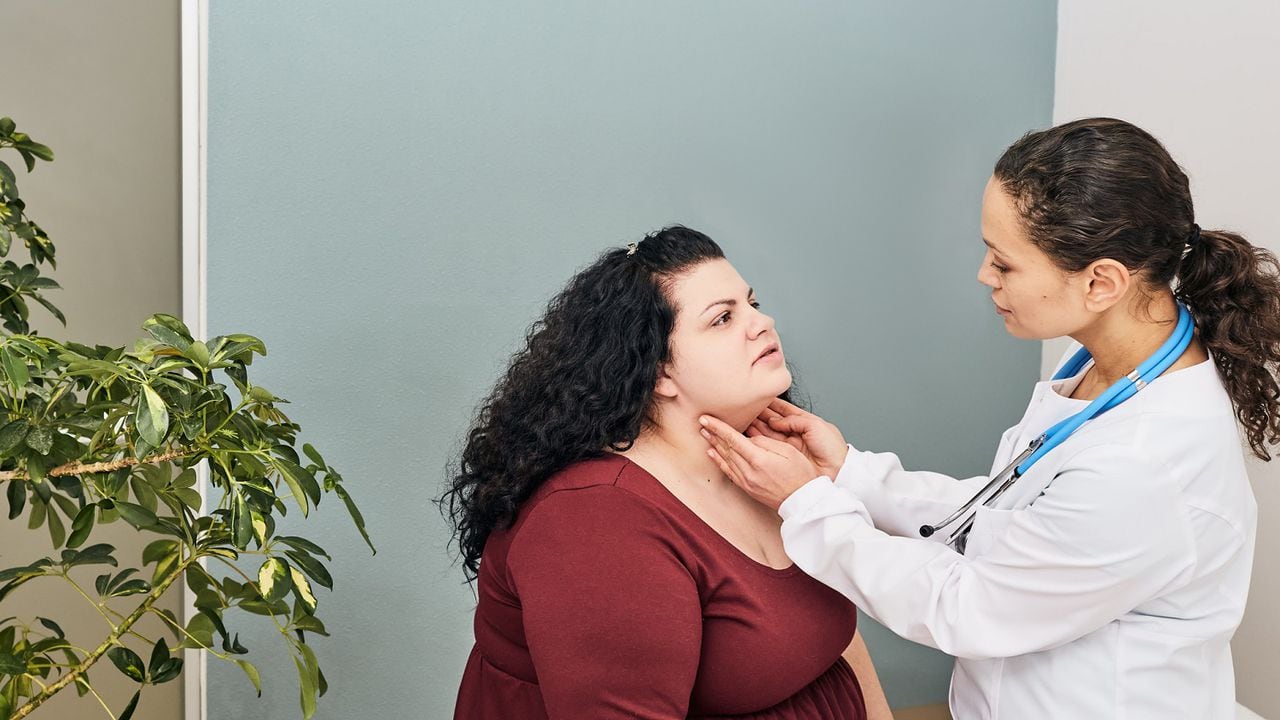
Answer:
[(395, 188)]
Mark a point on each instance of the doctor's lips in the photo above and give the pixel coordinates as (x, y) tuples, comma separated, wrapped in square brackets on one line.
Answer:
[(770, 351), (1000, 310)]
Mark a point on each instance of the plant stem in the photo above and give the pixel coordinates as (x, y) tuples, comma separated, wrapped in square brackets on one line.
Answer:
[(101, 702), (210, 650), (79, 469), (106, 645), (88, 599)]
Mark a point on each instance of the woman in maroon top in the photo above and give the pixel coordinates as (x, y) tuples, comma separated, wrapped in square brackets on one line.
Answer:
[(621, 575)]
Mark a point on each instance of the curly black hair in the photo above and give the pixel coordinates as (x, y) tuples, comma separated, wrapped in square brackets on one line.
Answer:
[(583, 383)]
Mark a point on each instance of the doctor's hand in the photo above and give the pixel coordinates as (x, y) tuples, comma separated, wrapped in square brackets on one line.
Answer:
[(768, 470), (818, 439)]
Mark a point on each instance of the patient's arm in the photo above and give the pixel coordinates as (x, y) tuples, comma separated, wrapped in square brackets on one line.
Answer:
[(858, 658)]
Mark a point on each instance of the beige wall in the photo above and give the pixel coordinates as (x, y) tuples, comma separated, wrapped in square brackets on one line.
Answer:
[(1202, 77), (99, 83)]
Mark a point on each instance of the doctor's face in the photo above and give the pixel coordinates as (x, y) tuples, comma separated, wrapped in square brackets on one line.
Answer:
[(1036, 299), (726, 358)]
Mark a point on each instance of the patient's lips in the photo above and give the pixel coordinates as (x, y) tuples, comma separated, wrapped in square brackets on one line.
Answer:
[(771, 354)]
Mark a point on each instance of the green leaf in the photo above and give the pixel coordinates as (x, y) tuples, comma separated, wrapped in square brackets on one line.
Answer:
[(313, 454), (241, 522), (135, 514), (201, 629), (17, 493), (159, 654), (128, 662), (356, 517), (198, 353), (99, 554), (312, 567), (11, 665), (6, 126), (152, 416), (169, 330), (307, 690), (132, 587), (169, 670), (40, 439), (295, 485), (274, 579), (41, 151), (303, 544), (252, 672), (188, 497), (53, 626), (6, 239), (82, 526), (69, 507), (133, 705), (157, 550), (312, 624), (185, 479), (15, 368), (37, 468), (145, 495), (57, 531), (249, 341), (302, 590), (6, 708)]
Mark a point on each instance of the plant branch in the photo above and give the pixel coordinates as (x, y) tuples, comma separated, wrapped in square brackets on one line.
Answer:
[(106, 645), (80, 469)]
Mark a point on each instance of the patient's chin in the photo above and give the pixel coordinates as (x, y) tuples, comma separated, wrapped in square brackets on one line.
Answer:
[(740, 417)]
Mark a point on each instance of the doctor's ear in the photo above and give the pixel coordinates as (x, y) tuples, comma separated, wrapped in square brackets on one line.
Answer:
[(1107, 282), (665, 388)]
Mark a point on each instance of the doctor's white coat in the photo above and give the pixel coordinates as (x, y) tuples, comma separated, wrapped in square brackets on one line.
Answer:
[(1105, 584)]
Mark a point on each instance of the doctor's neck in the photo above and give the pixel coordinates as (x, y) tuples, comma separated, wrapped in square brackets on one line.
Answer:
[(1125, 335)]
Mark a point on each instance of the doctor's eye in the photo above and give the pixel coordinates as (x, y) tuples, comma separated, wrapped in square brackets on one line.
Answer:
[(1000, 268), (724, 318), (755, 304)]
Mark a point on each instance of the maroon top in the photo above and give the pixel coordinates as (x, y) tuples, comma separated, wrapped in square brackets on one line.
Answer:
[(609, 598)]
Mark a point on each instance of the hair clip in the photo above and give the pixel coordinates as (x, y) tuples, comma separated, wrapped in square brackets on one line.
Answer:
[(631, 248)]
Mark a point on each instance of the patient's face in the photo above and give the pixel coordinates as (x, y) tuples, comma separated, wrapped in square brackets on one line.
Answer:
[(726, 356)]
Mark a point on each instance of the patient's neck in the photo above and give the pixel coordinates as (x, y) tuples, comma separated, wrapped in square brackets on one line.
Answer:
[(674, 444)]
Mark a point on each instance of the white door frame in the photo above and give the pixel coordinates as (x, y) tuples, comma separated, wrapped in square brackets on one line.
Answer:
[(194, 80)]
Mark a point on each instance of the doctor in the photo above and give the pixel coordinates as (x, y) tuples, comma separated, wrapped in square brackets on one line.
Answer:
[(1103, 574)]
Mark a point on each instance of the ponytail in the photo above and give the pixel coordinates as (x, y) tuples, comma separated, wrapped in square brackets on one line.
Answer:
[(1233, 289)]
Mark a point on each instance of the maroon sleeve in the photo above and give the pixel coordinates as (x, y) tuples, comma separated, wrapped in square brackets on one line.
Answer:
[(611, 614)]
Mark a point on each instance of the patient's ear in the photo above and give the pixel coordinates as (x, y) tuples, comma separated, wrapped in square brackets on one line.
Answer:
[(665, 387)]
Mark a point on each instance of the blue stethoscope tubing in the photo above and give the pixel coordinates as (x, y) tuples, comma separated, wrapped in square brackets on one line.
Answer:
[(1122, 390)]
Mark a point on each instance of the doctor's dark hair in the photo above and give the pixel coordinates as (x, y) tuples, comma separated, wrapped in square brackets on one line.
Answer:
[(583, 383), (1103, 188)]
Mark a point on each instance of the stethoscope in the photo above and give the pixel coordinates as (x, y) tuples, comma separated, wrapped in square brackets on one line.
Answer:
[(1124, 389)]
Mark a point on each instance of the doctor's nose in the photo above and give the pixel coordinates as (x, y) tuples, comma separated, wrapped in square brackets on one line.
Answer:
[(987, 275)]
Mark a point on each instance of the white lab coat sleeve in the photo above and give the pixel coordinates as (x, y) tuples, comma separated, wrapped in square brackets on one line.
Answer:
[(1108, 534), (900, 501)]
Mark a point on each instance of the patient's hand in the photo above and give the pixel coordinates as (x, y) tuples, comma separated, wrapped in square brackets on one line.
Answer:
[(819, 440)]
